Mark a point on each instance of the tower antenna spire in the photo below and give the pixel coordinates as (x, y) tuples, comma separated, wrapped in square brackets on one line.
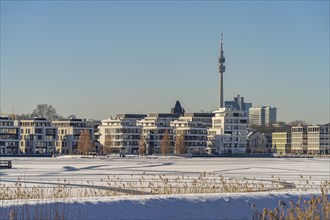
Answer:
[(221, 41), (221, 69)]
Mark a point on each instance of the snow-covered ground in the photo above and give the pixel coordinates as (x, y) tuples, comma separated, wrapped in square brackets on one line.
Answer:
[(306, 172), (201, 206)]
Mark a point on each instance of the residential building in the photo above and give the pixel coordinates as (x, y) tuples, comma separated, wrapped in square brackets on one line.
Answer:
[(69, 131), (318, 137), (9, 136), (262, 116), (96, 144), (123, 132), (38, 136), (239, 104), (194, 127), (299, 139), (154, 127), (259, 143), (281, 142), (228, 132)]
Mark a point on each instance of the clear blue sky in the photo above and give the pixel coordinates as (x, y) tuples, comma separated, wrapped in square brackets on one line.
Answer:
[(96, 59)]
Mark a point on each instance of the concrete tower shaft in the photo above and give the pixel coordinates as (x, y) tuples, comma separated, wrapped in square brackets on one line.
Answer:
[(221, 70)]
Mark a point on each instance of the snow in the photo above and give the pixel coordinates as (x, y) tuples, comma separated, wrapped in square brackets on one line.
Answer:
[(202, 206), (45, 171)]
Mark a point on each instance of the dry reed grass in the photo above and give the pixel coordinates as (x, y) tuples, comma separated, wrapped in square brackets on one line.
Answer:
[(316, 208), (151, 184)]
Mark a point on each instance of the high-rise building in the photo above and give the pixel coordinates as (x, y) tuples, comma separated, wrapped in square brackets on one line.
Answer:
[(270, 115), (239, 104), (262, 116), (257, 116)]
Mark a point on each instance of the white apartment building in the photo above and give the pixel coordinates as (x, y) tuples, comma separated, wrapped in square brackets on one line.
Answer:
[(194, 126), (38, 136), (228, 133), (69, 131), (299, 139), (318, 139), (123, 132), (262, 116), (9, 136), (154, 127)]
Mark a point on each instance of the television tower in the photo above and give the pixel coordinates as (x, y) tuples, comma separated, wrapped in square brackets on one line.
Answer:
[(221, 69)]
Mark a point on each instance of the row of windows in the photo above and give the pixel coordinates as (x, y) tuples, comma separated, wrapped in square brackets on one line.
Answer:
[(79, 125), (6, 124), (35, 124), (9, 130), (9, 143), (122, 130), (234, 145)]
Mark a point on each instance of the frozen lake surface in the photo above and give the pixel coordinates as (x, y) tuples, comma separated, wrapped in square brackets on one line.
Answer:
[(302, 176), (93, 169)]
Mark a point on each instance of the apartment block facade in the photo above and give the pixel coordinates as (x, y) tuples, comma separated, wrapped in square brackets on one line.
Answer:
[(123, 132), (281, 142), (69, 131), (318, 139), (154, 127), (194, 127), (228, 133), (299, 139), (38, 136), (9, 136)]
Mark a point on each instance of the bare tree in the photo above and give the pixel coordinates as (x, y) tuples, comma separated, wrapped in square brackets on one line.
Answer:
[(298, 122), (45, 111), (107, 147), (84, 142), (180, 144), (71, 116), (165, 144), (142, 145), (23, 116)]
